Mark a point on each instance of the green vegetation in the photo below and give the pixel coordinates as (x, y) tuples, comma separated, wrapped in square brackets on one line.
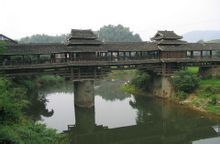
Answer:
[(141, 80), (127, 87), (119, 33), (15, 126), (139, 83), (193, 70), (204, 95), (42, 38), (109, 33), (47, 80), (210, 82), (185, 81)]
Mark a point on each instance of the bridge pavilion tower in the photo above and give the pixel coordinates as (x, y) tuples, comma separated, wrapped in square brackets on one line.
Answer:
[(169, 45), (83, 88)]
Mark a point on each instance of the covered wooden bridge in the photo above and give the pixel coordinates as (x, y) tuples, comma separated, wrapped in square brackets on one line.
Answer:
[(83, 55)]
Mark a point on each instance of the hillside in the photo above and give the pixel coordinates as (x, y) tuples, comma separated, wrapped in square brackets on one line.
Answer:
[(195, 36), (214, 41)]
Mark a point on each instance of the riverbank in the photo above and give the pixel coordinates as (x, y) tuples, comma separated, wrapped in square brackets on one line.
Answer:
[(205, 98), (15, 125)]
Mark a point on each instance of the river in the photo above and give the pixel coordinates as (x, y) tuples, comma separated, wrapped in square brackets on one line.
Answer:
[(118, 117)]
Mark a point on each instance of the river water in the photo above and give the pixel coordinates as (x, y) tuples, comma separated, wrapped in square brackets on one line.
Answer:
[(121, 118)]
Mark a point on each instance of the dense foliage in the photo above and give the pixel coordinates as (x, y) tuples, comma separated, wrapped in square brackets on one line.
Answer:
[(15, 127), (185, 81), (42, 38), (141, 80), (119, 33)]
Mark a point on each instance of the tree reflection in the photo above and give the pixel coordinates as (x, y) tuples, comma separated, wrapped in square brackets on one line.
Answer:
[(170, 119), (37, 106), (109, 90)]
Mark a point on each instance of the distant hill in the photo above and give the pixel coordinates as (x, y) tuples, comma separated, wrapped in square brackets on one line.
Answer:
[(195, 36), (214, 41)]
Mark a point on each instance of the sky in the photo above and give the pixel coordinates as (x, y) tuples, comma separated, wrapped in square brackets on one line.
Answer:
[(20, 18)]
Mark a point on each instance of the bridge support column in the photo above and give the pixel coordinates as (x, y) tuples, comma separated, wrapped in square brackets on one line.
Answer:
[(162, 86), (84, 93), (85, 119)]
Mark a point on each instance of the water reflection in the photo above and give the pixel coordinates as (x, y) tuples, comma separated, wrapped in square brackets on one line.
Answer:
[(110, 90), (37, 106), (122, 118), (157, 122), (115, 113), (63, 106)]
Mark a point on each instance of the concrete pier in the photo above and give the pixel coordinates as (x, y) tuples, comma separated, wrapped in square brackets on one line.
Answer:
[(84, 93), (85, 119), (162, 86)]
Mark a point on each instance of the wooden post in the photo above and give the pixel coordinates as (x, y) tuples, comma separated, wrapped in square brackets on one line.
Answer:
[(65, 55), (72, 73), (79, 73), (191, 54), (95, 73), (38, 58), (201, 54), (22, 59), (163, 68)]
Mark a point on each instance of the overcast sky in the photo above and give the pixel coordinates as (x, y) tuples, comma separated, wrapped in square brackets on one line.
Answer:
[(19, 18)]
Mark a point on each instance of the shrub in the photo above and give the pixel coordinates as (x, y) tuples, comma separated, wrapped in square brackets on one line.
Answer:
[(141, 80), (208, 92), (213, 100), (181, 95), (185, 81), (14, 126)]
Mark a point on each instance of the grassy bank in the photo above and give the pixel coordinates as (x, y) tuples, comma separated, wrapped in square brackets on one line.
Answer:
[(200, 94), (206, 97)]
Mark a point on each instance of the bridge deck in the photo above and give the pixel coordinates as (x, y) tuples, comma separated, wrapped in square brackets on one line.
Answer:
[(108, 63)]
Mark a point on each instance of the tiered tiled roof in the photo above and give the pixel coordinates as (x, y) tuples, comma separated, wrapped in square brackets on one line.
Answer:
[(167, 38), (82, 37), (86, 41)]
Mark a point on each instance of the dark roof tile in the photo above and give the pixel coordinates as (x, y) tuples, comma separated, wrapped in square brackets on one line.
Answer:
[(166, 35)]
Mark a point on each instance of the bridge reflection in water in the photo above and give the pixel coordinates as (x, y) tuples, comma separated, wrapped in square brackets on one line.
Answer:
[(161, 125), (123, 118)]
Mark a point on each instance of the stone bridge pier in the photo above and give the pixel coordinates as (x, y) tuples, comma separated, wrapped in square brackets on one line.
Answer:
[(162, 86), (84, 93)]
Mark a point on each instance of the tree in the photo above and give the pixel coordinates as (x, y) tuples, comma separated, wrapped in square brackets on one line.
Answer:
[(38, 38), (119, 33), (141, 80), (185, 81)]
